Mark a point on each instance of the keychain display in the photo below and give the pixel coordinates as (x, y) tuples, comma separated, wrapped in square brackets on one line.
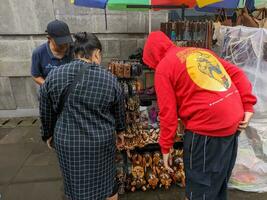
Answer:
[(125, 68), (189, 33)]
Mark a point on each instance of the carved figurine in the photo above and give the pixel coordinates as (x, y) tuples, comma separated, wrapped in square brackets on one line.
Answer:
[(121, 178), (147, 160), (165, 179), (151, 178), (138, 174), (182, 174), (137, 160)]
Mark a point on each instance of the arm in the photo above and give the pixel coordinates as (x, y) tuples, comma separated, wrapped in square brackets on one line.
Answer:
[(242, 84), (47, 114), (119, 109), (39, 80), (36, 69), (168, 111)]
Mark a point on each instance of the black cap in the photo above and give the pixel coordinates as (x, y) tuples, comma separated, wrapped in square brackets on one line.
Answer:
[(59, 31)]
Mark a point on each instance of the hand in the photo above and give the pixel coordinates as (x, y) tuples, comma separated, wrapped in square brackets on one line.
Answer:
[(120, 140), (49, 142), (166, 159), (244, 124)]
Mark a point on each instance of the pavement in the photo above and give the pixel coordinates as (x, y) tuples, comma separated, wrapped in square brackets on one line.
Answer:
[(30, 171)]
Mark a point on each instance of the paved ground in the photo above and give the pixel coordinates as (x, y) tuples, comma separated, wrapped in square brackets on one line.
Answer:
[(29, 171)]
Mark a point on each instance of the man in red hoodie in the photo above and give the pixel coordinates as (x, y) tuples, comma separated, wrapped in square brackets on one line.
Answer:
[(214, 100)]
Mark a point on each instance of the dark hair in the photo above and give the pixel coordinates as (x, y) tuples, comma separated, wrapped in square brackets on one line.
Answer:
[(85, 44)]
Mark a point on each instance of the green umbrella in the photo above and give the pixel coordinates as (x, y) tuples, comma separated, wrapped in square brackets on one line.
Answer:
[(125, 4)]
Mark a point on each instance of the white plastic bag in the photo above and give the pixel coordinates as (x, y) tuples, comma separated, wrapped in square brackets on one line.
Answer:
[(246, 47)]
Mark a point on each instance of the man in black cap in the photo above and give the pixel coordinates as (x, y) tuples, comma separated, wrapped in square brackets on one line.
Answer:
[(53, 53)]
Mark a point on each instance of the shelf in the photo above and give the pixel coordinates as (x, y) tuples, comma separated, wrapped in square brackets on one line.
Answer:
[(124, 78), (155, 147), (146, 97)]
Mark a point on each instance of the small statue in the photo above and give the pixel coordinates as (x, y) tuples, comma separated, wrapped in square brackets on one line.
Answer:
[(138, 180), (137, 160), (121, 178), (147, 160), (151, 178), (165, 179), (182, 174)]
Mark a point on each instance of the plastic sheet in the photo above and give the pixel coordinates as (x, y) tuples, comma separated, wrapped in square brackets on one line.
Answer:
[(247, 48)]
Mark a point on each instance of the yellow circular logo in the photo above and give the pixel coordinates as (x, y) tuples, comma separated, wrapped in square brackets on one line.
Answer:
[(207, 72)]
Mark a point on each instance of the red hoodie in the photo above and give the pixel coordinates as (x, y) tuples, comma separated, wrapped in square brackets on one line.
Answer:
[(208, 93)]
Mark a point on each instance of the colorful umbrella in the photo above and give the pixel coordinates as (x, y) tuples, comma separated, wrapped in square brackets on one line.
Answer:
[(136, 5), (91, 3), (202, 3), (229, 6), (157, 4), (141, 5)]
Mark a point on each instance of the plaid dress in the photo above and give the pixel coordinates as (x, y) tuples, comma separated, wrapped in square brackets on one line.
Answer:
[(84, 133)]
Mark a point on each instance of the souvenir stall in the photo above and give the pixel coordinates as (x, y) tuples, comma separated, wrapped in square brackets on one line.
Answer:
[(140, 164)]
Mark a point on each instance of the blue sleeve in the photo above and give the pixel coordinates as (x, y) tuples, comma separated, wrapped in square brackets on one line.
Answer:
[(36, 65)]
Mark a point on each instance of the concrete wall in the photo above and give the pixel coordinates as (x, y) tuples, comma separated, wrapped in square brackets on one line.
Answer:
[(22, 26)]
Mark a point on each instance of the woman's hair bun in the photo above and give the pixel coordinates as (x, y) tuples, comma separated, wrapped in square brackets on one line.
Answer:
[(81, 37)]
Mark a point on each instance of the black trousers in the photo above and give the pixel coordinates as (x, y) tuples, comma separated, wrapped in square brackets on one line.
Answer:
[(209, 162)]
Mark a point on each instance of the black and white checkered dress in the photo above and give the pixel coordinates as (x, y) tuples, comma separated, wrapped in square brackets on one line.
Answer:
[(84, 133)]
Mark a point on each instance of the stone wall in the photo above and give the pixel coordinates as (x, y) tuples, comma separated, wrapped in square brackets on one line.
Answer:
[(22, 26)]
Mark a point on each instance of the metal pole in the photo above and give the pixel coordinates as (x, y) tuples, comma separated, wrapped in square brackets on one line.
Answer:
[(106, 19), (183, 12), (149, 19)]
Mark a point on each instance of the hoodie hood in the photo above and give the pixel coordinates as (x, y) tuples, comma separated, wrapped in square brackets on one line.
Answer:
[(155, 49)]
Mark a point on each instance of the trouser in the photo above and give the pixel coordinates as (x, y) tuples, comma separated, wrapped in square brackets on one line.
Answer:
[(209, 162)]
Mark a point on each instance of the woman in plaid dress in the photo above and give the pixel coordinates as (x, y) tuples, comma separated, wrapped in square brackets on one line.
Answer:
[(84, 132)]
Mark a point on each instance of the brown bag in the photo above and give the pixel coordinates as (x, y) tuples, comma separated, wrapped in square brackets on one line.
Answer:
[(247, 20), (261, 18), (222, 17)]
